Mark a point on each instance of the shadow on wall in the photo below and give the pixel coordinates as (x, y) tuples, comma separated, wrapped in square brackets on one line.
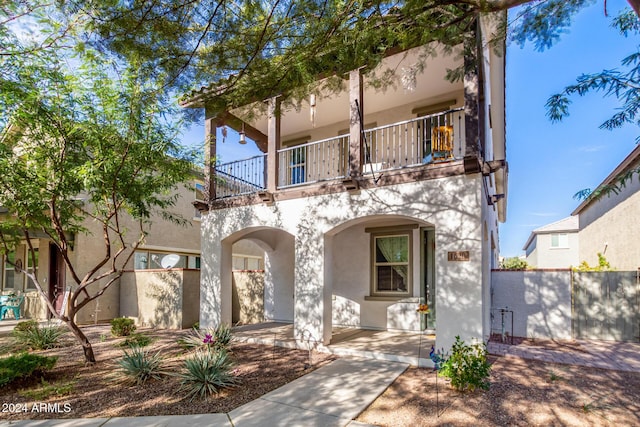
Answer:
[(451, 204), (248, 297), (33, 307), (162, 298), (540, 300)]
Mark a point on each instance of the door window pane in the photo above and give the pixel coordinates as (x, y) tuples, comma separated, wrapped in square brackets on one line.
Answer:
[(9, 271), (30, 268)]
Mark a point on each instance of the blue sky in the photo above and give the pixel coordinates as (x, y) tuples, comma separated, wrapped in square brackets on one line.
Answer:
[(548, 162)]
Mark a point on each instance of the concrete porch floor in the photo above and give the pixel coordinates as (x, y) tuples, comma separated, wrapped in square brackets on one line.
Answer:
[(406, 347)]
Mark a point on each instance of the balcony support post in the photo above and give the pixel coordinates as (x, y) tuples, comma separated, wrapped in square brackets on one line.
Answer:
[(273, 143), (356, 104), (473, 95), (210, 160)]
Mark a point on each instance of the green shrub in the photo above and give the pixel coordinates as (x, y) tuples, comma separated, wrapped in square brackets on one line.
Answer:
[(222, 336), (603, 265), (122, 327), (207, 371), (24, 366), (218, 338), (25, 326), (467, 366), (46, 390), (514, 263), (36, 337), (138, 365), (136, 340)]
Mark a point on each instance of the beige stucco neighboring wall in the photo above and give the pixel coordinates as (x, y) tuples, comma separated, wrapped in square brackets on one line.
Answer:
[(161, 298), (248, 297), (161, 235), (610, 226), (452, 206)]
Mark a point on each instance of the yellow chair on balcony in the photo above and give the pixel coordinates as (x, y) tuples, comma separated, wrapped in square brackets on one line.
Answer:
[(442, 143)]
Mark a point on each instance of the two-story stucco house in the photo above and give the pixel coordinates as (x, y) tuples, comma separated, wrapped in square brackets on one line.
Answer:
[(554, 245), (144, 286), (366, 203), (609, 225)]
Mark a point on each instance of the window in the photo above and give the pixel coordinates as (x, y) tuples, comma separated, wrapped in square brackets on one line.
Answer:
[(12, 280), (391, 264), (152, 260), (297, 165), (250, 263), (9, 271), (199, 197), (30, 284), (560, 240)]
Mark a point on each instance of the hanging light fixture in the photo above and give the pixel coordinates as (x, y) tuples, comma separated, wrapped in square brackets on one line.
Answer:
[(243, 139), (312, 109), (224, 133)]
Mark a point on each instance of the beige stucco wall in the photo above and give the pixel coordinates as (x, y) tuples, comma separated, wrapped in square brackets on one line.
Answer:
[(451, 205), (161, 298), (161, 235), (611, 223), (248, 297)]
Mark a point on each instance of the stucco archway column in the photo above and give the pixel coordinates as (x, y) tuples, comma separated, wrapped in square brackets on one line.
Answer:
[(215, 278), (312, 308)]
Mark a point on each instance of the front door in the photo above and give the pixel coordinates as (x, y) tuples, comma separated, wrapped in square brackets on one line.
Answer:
[(428, 276), (56, 277)]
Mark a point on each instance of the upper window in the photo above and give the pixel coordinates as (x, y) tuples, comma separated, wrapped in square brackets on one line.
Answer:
[(391, 264), (560, 240)]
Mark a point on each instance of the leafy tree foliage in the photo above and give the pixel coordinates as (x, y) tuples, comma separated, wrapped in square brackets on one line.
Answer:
[(603, 265), (514, 263), (621, 82), (79, 148), (100, 139)]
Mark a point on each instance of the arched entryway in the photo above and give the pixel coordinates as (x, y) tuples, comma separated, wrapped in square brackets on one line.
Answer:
[(381, 268), (262, 288)]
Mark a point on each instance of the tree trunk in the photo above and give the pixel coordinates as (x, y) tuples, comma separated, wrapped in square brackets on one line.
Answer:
[(89, 357)]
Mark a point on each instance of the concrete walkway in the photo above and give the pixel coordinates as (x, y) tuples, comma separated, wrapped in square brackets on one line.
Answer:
[(620, 356), (329, 396)]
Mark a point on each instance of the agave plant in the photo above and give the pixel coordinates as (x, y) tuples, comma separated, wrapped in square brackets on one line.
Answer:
[(32, 336), (206, 372), (139, 365), (218, 338)]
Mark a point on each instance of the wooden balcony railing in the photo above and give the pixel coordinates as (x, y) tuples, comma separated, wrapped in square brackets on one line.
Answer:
[(428, 139)]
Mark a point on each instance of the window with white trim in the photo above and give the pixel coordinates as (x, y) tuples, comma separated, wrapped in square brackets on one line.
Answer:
[(247, 263), (560, 240), (10, 279)]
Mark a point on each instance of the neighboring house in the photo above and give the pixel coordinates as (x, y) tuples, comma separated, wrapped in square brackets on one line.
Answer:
[(357, 228), (146, 279), (609, 224), (554, 245)]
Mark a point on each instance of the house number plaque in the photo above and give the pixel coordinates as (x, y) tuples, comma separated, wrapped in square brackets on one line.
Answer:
[(458, 256)]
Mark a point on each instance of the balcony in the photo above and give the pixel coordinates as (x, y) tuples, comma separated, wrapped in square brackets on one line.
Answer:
[(412, 143)]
